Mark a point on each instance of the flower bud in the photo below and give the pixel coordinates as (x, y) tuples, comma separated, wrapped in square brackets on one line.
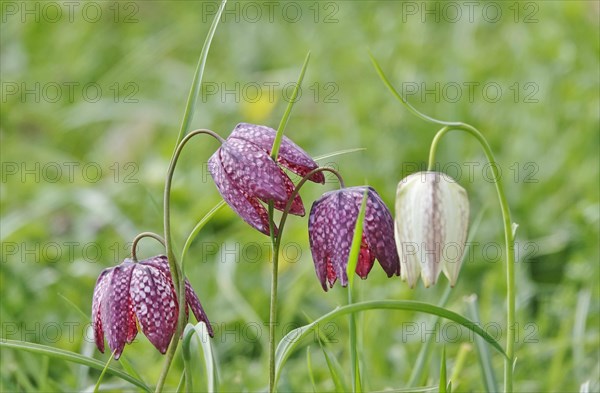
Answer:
[(432, 218)]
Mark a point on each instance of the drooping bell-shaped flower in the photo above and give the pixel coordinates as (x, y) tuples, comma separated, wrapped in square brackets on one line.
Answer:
[(143, 293), (245, 173), (432, 218), (331, 227)]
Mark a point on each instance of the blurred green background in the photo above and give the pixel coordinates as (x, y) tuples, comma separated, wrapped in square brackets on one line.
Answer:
[(93, 94)]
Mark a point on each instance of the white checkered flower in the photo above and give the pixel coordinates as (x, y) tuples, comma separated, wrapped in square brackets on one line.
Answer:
[(432, 218)]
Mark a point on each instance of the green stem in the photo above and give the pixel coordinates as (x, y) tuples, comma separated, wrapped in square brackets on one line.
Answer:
[(508, 238), (356, 383), (139, 237), (275, 238), (275, 244), (273, 301), (176, 273)]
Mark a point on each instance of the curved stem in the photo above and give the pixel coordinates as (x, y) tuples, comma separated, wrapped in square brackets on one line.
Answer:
[(139, 237), (178, 279), (275, 244), (508, 238), (288, 206)]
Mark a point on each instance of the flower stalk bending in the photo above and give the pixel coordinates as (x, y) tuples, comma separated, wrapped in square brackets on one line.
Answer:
[(508, 238)]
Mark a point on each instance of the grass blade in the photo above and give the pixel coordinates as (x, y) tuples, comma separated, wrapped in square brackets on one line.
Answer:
[(355, 247), (419, 366), (485, 359), (425, 351), (351, 272), (288, 110), (71, 357), (97, 387), (197, 229), (442, 387), (339, 153), (335, 369), (207, 351), (461, 358), (293, 338), (197, 81), (310, 369)]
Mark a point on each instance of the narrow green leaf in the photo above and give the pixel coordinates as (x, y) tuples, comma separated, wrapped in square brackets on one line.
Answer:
[(42, 375), (197, 229), (197, 81), (71, 357), (463, 352), (353, 256), (97, 387), (356, 242), (126, 364), (288, 110), (338, 153), (335, 369), (292, 339), (310, 369), (442, 387), (485, 358), (425, 351), (181, 385), (86, 317), (207, 351)]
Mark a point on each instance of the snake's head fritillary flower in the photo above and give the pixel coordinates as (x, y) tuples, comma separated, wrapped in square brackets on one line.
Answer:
[(331, 227), (245, 173), (432, 218), (143, 293)]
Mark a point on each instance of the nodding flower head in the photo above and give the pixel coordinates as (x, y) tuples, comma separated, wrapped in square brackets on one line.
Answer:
[(331, 227), (143, 293), (245, 173), (432, 218)]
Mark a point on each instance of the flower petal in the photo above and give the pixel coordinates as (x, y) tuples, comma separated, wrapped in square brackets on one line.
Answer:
[(155, 304), (297, 207), (365, 259), (321, 240), (116, 308), (432, 213), (99, 292), (379, 233), (290, 155), (331, 227), (252, 170), (456, 217), (249, 209), (194, 303)]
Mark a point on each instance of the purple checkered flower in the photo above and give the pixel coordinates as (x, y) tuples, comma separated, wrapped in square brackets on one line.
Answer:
[(245, 174), (331, 228), (143, 293)]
